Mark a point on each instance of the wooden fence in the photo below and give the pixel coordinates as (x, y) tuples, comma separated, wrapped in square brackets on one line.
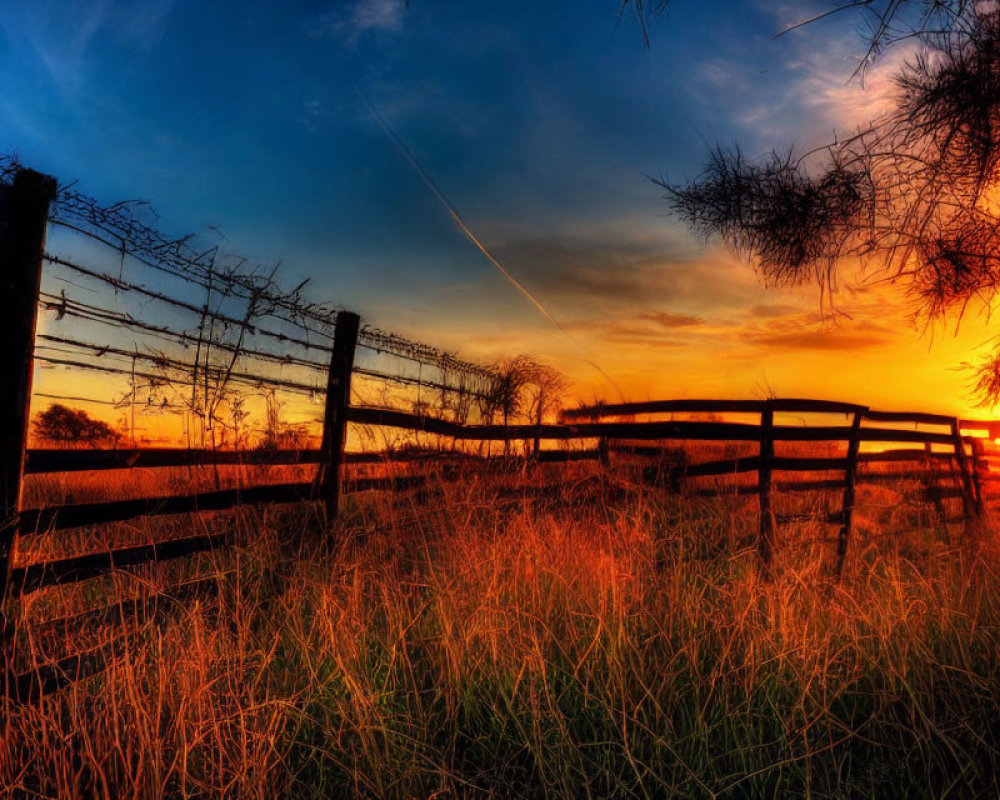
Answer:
[(595, 433)]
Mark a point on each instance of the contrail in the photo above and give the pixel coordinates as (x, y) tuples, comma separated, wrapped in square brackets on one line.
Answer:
[(467, 232), (456, 217)]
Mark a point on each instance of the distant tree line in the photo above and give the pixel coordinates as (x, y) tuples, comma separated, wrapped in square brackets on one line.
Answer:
[(70, 427)]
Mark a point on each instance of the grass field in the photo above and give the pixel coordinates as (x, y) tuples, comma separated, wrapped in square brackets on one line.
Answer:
[(602, 640)]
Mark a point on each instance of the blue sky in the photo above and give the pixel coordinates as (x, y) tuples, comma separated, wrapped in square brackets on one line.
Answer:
[(540, 121)]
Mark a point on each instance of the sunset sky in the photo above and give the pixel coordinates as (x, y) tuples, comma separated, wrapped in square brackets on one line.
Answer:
[(541, 123)]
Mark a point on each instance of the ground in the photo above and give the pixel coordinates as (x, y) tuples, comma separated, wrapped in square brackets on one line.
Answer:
[(491, 637)]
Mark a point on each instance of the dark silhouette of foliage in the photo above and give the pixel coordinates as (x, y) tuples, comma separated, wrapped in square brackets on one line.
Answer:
[(517, 388), (914, 194), (65, 426)]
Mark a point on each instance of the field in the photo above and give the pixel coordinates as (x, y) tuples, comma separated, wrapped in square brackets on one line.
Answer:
[(490, 637)]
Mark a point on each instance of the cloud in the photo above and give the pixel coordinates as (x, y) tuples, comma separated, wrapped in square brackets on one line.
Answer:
[(850, 104), (619, 272), (803, 89), (768, 310), (636, 333), (819, 340), (60, 35), (363, 16), (671, 319), (803, 333), (644, 330), (385, 15)]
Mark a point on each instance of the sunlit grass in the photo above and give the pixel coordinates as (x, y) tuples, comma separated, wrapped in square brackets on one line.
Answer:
[(463, 642)]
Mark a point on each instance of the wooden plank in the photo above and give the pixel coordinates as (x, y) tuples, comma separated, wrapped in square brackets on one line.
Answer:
[(41, 461), (391, 418), (138, 609), (24, 209), (850, 479), (678, 431), (35, 683), (801, 464), (778, 463), (75, 516), (989, 425), (83, 514), (944, 492), (887, 456), (407, 456), (776, 486), (895, 476), (729, 466), (645, 451), (780, 405), (908, 416), (822, 517), (694, 431), (338, 399), (25, 580), (867, 435), (807, 406), (31, 686), (662, 407), (382, 484), (50, 460)]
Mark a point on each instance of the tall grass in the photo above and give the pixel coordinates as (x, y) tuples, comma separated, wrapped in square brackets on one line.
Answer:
[(460, 643)]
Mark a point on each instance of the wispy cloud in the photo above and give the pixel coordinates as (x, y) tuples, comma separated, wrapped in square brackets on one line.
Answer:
[(804, 87), (62, 37), (671, 319), (767, 310), (359, 18), (810, 332), (623, 273)]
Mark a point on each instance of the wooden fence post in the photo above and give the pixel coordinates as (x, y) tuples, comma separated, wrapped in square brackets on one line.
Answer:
[(24, 211), (850, 480), (765, 540), (538, 421), (603, 451), (338, 398), (968, 492), (977, 467)]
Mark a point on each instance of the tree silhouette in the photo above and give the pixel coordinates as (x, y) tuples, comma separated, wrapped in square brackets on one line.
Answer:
[(914, 194), (67, 426)]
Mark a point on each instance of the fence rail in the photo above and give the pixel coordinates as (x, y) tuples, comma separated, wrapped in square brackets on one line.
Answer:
[(949, 461)]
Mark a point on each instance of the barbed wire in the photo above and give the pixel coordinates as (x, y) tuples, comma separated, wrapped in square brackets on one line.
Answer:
[(118, 226), (165, 363), (384, 341), (375, 339), (76, 399), (224, 338), (64, 306)]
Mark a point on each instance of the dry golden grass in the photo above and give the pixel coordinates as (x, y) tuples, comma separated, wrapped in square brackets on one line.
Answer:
[(599, 641)]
